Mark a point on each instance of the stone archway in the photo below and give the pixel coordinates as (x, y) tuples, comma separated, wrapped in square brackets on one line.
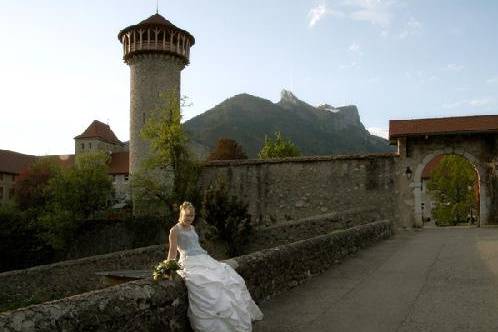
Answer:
[(420, 140), (416, 185)]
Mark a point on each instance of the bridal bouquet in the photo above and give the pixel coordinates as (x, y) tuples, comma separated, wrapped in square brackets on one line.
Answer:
[(166, 270)]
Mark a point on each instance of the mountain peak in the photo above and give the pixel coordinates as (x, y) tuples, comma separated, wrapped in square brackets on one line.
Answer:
[(327, 107), (288, 96)]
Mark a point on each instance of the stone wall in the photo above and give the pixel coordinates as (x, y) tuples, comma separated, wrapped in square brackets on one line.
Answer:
[(149, 306), (306, 228), (99, 237), (55, 281), (290, 189)]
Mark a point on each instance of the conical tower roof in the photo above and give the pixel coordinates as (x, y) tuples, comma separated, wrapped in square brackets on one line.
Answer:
[(156, 20)]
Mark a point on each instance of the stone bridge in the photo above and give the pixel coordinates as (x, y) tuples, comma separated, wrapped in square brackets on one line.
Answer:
[(429, 280)]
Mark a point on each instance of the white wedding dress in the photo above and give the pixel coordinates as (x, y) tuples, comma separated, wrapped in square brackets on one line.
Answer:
[(218, 297)]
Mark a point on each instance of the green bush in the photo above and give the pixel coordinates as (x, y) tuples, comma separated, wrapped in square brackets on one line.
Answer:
[(229, 216), (280, 147), (20, 243)]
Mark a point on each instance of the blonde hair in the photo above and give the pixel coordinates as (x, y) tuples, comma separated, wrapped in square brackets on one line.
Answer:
[(187, 205)]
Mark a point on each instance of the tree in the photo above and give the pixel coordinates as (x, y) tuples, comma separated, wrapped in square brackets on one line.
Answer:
[(170, 173), (452, 185), (85, 188), (227, 149), (280, 147), (32, 184), (76, 194)]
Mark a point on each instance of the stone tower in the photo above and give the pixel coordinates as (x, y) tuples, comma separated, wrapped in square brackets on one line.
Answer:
[(156, 51)]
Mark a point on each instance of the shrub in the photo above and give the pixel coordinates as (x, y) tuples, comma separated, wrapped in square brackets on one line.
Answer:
[(20, 243), (229, 216)]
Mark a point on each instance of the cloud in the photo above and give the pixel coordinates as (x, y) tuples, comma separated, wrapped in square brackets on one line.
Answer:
[(473, 103), (382, 132), (354, 47), (454, 68), (412, 28), (351, 65), (316, 14), (421, 76), (319, 12), (376, 12), (492, 80), (483, 102)]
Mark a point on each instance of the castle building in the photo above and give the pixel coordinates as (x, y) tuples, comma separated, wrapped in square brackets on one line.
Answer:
[(156, 52), (97, 137)]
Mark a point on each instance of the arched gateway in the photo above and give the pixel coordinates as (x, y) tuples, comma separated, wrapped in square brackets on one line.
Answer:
[(419, 141)]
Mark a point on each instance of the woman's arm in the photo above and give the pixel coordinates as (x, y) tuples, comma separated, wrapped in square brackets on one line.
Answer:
[(172, 243)]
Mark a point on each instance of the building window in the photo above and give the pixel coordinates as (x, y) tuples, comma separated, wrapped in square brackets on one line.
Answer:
[(89, 145), (82, 146), (1, 176), (1, 193), (126, 177), (13, 178), (12, 193)]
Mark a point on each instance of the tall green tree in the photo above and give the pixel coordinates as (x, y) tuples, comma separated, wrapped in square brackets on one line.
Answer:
[(76, 194), (279, 147), (170, 173), (85, 188), (452, 186)]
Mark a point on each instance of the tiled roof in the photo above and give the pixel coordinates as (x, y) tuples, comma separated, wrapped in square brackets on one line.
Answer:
[(120, 163), (156, 19), (13, 162), (431, 165), (439, 126), (100, 130)]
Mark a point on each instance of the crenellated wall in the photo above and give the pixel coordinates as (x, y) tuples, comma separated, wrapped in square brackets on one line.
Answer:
[(289, 189)]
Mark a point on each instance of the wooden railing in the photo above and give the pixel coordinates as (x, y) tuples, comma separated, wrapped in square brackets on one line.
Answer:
[(152, 45)]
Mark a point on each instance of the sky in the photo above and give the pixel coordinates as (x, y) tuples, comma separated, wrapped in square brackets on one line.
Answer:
[(61, 62)]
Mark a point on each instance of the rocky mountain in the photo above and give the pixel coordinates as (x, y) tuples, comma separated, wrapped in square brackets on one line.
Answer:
[(322, 130)]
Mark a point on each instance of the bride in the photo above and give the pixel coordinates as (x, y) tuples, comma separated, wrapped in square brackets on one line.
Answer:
[(218, 297)]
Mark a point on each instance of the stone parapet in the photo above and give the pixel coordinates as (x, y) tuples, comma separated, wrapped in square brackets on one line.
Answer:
[(306, 228), (145, 305), (55, 281)]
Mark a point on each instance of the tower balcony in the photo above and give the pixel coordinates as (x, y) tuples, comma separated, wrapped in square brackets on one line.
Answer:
[(156, 35)]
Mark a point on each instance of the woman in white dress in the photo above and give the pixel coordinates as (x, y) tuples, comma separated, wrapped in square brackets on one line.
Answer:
[(218, 297)]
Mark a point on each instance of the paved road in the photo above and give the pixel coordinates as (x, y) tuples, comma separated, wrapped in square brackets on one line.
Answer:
[(429, 280)]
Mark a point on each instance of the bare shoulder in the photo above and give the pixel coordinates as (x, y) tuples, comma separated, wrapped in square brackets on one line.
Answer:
[(174, 229)]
